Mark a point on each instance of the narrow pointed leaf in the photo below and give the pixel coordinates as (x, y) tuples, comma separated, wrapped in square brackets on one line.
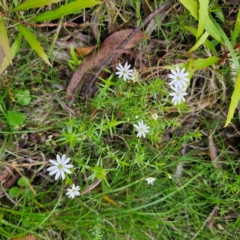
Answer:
[(199, 42), (193, 7), (230, 47), (234, 101), (4, 43), (34, 4), (204, 62), (203, 16), (236, 31), (33, 42), (65, 10), (16, 45), (208, 43), (14, 49)]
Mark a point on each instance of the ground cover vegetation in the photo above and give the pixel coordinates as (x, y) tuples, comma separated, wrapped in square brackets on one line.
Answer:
[(119, 119)]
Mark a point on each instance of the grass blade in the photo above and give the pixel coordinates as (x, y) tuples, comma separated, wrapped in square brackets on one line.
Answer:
[(229, 45), (234, 101), (4, 43), (34, 4), (236, 31), (65, 10), (201, 41), (203, 16), (192, 7), (33, 42)]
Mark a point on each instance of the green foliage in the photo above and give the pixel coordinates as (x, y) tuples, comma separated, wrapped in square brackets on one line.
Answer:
[(200, 11), (23, 188), (34, 4), (202, 18), (23, 97), (236, 32), (65, 10), (6, 53), (23, 182), (102, 144), (193, 8), (33, 42), (14, 191), (14, 118), (74, 62), (234, 101)]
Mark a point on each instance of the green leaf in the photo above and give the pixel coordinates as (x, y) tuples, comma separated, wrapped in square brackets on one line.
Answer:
[(65, 10), (14, 191), (23, 97), (208, 43), (5, 50), (23, 182), (236, 31), (201, 41), (193, 7), (230, 47), (202, 18), (15, 118), (204, 62), (218, 12), (4, 43), (213, 31), (34, 4), (14, 49), (234, 101), (35, 45), (211, 46), (16, 45)]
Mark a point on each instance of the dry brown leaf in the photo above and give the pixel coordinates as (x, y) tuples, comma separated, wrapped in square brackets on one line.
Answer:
[(6, 172), (84, 51), (91, 186), (213, 153), (95, 23), (94, 61)]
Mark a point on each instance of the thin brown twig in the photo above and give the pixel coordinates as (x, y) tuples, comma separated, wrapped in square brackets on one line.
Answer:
[(123, 43)]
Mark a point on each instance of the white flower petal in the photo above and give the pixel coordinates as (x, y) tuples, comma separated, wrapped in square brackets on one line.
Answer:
[(53, 162), (67, 171), (53, 172), (53, 168), (65, 161), (57, 175), (62, 174), (59, 158)]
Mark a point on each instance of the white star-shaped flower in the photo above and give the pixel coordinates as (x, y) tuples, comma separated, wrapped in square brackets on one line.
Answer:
[(60, 167), (141, 128), (178, 95), (73, 192), (124, 72), (179, 78), (150, 180)]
